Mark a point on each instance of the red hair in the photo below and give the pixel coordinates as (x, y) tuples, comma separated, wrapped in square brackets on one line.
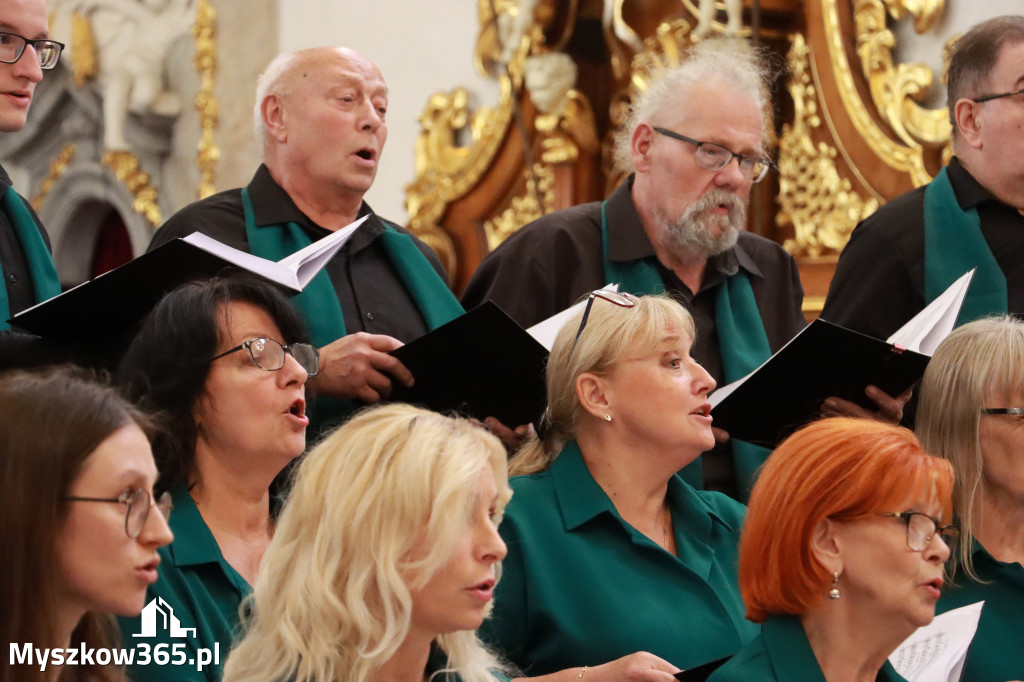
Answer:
[(834, 468)]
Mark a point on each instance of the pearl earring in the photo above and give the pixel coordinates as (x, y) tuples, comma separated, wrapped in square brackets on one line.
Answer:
[(834, 593)]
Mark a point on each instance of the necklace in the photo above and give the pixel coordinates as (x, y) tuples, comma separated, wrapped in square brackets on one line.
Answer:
[(665, 526)]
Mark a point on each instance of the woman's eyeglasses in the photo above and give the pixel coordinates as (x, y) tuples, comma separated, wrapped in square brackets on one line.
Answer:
[(269, 354), (921, 528), (614, 297), (138, 503)]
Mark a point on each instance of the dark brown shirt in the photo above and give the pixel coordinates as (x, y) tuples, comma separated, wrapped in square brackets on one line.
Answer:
[(372, 295)]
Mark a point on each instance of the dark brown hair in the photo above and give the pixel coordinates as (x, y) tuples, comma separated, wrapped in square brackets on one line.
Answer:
[(975, 54)]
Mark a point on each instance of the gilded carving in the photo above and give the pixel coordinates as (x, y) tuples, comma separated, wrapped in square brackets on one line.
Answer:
[(59, 164), (819, 203), (894, 90), (126, 168), (204, 33), (539, 187)]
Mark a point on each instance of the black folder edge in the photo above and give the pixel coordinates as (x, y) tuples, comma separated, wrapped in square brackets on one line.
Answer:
[(701, 672), (110, 307), (824, 360), (481, 364)]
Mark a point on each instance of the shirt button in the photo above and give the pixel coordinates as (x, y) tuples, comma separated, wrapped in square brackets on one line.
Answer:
[(369, 316), (14, 279)]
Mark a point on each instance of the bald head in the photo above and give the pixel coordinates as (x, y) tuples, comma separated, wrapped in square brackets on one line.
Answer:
[(289, 69)]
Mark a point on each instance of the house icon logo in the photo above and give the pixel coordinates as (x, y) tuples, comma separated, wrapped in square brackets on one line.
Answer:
[(159, 611)]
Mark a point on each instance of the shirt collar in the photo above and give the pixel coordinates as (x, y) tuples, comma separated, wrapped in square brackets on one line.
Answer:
[(197, 545), (5, 179), (969, 192), (271, 205), (628, 241), (581, 499), (791, 654)]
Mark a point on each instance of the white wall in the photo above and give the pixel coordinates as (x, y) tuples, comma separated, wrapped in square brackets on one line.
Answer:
[(421, 47)]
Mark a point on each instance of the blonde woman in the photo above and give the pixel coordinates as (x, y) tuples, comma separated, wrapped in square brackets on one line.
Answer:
[(385, 557), (972, 413), (611, 553)]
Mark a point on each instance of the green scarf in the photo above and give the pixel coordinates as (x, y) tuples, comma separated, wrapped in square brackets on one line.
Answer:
[(742, 342), (953, 244), (318, 302), (45, 282)]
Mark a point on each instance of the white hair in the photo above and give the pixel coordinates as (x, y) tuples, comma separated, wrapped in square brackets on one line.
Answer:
[(271, 82), (733, 62)]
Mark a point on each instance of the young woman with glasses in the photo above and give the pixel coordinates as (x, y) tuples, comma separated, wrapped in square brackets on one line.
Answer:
[(610, 552), (972, 413), (842, 553), (79, 531), (225, 363)]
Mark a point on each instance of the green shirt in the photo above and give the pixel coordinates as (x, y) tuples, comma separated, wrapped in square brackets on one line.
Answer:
[(781, 652), (997, 652), (203, 590), (580, 586)]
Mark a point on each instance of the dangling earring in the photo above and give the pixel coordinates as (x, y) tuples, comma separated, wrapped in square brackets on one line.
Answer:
[(607, 417), (834, 592)]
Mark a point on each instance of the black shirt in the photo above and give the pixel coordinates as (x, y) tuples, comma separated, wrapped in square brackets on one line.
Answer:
[(372, 295), (17, 276), (549, 264), (879, 281)]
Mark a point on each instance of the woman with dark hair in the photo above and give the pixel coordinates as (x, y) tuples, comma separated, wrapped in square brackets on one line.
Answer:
[(224, 362), (842, 553), (78, 532)]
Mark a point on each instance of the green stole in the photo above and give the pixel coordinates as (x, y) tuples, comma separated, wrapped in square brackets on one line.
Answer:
[(953, 244), (318, 302), (742, 343), (45, 282)]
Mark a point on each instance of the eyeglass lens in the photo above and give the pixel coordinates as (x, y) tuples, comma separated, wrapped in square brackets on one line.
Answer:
[(138, 511), (12, 46), (711, 156), (920, 530), (268, 354)]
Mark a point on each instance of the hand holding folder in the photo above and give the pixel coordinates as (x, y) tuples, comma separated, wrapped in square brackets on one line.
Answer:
[(826, 360)]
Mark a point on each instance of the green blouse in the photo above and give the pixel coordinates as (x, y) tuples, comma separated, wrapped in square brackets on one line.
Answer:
[(203, 590), (997, 652), (580, 586), (782, 653)]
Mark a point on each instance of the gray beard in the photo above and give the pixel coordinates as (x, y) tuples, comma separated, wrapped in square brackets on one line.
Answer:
[(693, 235)]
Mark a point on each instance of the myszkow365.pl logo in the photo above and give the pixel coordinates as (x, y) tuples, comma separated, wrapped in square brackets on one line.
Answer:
[(157, 616)]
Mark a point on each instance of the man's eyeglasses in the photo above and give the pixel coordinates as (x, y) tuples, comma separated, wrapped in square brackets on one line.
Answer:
[(921, 528), (269, 354), (987, 98), (12, 46), (613, 297), (715, 157), (138, 502)]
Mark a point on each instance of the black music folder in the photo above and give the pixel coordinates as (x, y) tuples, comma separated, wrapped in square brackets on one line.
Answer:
[(108, 309), (826, 360), (822, 361), (481, 364)]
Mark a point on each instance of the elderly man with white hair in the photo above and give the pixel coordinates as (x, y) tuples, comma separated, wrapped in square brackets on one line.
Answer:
[(321, 117)]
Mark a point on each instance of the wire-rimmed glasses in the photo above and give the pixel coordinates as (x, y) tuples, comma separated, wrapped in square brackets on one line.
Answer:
[(138, 503), (988, 98), (269, 354), (715, 157), (12, 46), (1019, 411), (921, 528), (622, 300)]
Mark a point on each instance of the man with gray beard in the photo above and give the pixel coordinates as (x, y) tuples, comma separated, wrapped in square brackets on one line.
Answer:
[(694, 145)]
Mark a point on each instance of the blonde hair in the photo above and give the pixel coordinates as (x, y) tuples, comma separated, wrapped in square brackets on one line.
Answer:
[(332, 601), (612, 331), (980, 361), (734, 62)]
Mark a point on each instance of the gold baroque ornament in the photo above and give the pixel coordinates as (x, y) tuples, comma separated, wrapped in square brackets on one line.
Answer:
[(126, 168), (896, 89), (524, 209), (204, 32), (819, 203), (875, 46), (59, 164)]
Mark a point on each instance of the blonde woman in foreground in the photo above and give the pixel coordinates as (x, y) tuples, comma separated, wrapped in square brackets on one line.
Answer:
[(385, 557)]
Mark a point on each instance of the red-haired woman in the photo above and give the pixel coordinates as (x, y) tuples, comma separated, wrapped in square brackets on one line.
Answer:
[(842, 553)]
